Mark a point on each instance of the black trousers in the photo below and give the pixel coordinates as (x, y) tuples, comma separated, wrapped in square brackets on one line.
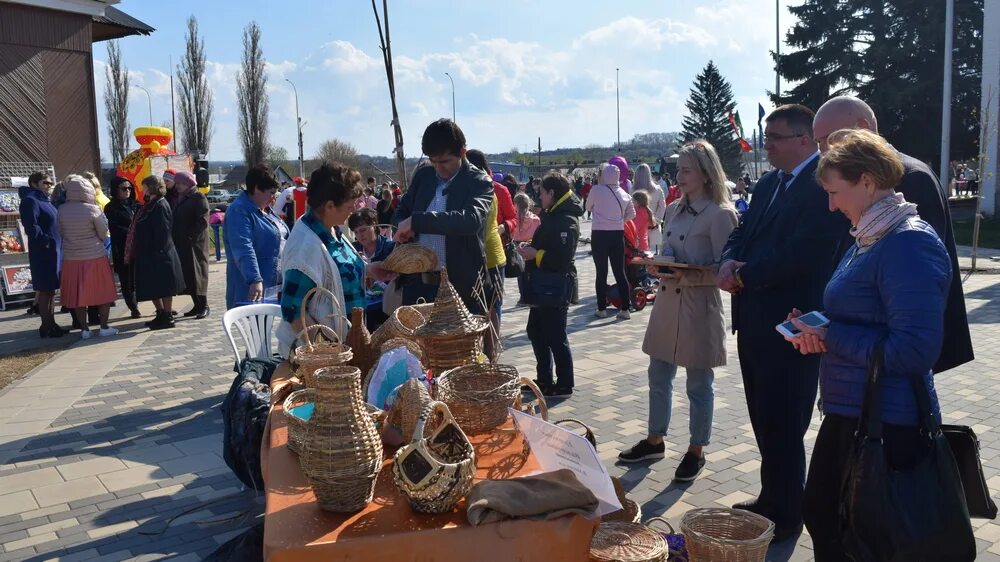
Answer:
[(609, 245), (780, 386), (126, 277), (903, 447), (547, 332)]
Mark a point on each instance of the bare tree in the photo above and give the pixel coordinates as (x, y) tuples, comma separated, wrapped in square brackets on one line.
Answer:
[(251, 93), (116, 103), (195, 94), (339, 152)]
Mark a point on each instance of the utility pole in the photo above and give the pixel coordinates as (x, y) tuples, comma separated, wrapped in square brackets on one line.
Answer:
[(173, 116), (149, 100), (618, 112), (539, 151), (298, 126), (949, 41), (777, 46), (452, 97)]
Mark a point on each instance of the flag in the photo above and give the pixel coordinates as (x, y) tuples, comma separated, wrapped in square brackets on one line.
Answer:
[(760, 128), (739, 125), (745, 146), (732, 123)]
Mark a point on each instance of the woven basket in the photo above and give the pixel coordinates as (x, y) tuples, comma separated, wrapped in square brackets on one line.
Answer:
[(341, 454), (401, 324), (436, 472), (411, 345), (452, 336), (539, 408), (297, 425), (411, 258), (412, 399), (478, 395), (312, 356), (630, 511), (360, 342), (617, 541), (726, 534)]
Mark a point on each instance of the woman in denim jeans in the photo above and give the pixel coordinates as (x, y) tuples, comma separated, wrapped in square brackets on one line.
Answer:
[(687, 327)]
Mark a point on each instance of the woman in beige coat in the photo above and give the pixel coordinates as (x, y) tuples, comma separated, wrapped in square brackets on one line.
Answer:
[(687, 327)]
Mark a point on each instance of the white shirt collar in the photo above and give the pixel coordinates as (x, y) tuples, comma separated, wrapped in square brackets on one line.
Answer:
[(798, 169)]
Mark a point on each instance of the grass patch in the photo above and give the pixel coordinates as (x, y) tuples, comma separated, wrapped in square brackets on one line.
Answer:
[(989, 233), (15, 366)]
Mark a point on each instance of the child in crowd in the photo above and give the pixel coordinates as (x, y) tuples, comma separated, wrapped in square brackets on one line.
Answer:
[(643, 219)]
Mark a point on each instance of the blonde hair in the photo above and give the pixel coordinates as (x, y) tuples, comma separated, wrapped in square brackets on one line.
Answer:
[(855, 152), (704, 154), (643, 178)]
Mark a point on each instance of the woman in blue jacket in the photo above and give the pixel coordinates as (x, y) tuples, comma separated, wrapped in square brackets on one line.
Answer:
[(891, 286), (38, 216), (253, 239)]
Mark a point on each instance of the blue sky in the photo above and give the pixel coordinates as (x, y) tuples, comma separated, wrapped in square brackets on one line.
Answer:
[(522, 69)]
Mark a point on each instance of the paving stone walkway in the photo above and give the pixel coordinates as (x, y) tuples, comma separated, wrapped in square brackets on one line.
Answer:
[(112, 449)]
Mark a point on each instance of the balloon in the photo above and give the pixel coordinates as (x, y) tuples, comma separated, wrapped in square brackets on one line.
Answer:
[(497, 176), (622, 165)]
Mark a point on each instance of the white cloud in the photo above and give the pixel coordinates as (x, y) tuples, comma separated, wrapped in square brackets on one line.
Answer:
[(343, 57), (636, 33)]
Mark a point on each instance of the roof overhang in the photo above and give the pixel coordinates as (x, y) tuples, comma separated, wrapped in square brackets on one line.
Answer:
[(115, 24), (87, 7)]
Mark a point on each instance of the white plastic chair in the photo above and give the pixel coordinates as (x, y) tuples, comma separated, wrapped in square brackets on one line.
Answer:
[(256, 323)]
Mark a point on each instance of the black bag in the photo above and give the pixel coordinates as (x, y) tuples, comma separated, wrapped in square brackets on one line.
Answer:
[(546, 288), (965, 446), (244, 415), (515, 263), (914, 513)]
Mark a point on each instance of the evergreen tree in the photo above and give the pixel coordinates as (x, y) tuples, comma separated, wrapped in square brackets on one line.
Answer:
[(708, 107), (890, 54)]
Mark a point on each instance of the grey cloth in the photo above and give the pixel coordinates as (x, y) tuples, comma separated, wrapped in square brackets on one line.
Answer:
[(542, 496)]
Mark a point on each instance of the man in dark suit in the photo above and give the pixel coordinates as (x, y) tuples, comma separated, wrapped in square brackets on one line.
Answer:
[(781, 257), (919, 186), (445, 208)]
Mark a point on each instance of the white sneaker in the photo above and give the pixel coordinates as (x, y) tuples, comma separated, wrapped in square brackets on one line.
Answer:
[(624, 315), (601, 313), (105, 332), (86, 334)]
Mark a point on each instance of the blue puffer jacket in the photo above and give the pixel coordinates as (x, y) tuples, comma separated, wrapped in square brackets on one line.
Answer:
[(897, 291), (253, 249)]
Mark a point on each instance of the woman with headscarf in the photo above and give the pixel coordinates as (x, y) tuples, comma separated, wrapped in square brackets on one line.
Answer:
[(86, 278), (150, 247), (120, 211), (612, 207), (38, 217), (190, 233)]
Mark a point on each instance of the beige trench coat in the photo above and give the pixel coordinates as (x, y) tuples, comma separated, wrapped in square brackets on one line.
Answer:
[(687, 326)]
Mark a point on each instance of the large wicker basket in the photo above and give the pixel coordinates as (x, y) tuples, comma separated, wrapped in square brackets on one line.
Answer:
[(478, 395), (451, 336), (312, 356), (726, 534), (619, 541), (434, 473)]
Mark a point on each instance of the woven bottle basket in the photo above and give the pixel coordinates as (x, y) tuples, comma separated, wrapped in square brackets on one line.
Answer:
[(451, 336), (360, 341), (411, 258), (297, 425), (312, 356), (436, 472), (478, 395), (412, 400), (620, 541), (401, 324), (342, 451), (726, 534)]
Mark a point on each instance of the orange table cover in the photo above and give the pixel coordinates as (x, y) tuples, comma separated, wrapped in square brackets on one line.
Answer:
[(295, 529)]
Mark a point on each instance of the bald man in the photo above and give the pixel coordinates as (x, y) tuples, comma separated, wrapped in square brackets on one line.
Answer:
[(920, 186)]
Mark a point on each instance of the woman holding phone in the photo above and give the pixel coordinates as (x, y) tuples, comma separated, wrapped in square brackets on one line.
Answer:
[(687, 327)]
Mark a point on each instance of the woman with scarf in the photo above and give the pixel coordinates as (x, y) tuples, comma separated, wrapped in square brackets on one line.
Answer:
[(38, 216), (891, 287), (120, 211), (150, 247), (190, 233)]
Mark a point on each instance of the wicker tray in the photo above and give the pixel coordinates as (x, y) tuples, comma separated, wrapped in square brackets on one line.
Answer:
[(617, 541), (411, 258), (726, 534)]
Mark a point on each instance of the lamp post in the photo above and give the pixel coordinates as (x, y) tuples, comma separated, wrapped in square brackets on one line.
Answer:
[(452, 97), (298, 127), (777, 46), (618, 111), (149, 101), (949, 41)]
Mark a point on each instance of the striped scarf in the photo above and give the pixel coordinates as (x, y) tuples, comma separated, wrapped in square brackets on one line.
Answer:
[(881, 218)]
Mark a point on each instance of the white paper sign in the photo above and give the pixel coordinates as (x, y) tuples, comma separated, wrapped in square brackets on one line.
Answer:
[(557, 448)]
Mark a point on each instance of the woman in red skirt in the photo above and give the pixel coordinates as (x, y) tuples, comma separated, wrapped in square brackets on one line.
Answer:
[(86, 278)]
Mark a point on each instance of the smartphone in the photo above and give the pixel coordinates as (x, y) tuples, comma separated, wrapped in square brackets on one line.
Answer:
[(812, 319)]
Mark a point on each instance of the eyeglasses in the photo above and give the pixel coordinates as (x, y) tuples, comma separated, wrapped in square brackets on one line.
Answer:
[(47, 182), (125, 187), (775, 137)]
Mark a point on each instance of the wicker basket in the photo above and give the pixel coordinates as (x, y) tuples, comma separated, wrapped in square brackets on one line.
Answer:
[(342, 451), (726, 534), (630, 511), (435, 473), (411, 345), (411, 258), (401, 324), (478, 395), (312, 356), (359, 339), (452, 336), (412, 399), (297, 425), (617, 541)]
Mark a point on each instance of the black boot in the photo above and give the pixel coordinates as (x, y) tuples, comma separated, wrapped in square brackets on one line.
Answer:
[(165, 321), (156, 318)]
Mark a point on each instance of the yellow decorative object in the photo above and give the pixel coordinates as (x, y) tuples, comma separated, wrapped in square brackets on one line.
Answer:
[(137, 165)]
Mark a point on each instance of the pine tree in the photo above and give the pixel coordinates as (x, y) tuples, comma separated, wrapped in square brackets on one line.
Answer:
[(708, 117), (890, 53)]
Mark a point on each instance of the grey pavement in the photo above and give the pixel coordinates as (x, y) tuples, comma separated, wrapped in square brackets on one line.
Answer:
[(112, 439)]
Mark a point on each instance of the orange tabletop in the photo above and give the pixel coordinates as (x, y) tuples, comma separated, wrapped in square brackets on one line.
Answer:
[(296, 529)]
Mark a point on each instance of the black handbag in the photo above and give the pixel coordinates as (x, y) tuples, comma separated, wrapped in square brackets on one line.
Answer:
[(546, 288), (515, 262), (965, 446), (902, 514)]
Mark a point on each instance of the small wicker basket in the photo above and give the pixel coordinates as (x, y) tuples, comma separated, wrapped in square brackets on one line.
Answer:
[(412, 400), (726, 534), (630, 512), (411, 258), (297, 425), (451, 336), (312, 356), (436, 472), (478, 395), (618, 541), (401, 324)]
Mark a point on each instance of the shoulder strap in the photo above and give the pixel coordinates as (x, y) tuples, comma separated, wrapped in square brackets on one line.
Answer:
[(617, 200)]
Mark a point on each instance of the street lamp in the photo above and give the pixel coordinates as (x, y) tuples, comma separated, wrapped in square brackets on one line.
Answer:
[(452, 97), (618, 111), (298, 126), (149, 100)]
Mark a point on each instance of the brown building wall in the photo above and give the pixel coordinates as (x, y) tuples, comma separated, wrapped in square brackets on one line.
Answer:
[(47, 100)]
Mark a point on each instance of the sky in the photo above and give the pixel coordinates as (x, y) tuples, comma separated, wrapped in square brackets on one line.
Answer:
[(522, 69)]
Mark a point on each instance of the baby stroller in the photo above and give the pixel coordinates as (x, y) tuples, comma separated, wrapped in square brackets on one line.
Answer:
[(642, 284)]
